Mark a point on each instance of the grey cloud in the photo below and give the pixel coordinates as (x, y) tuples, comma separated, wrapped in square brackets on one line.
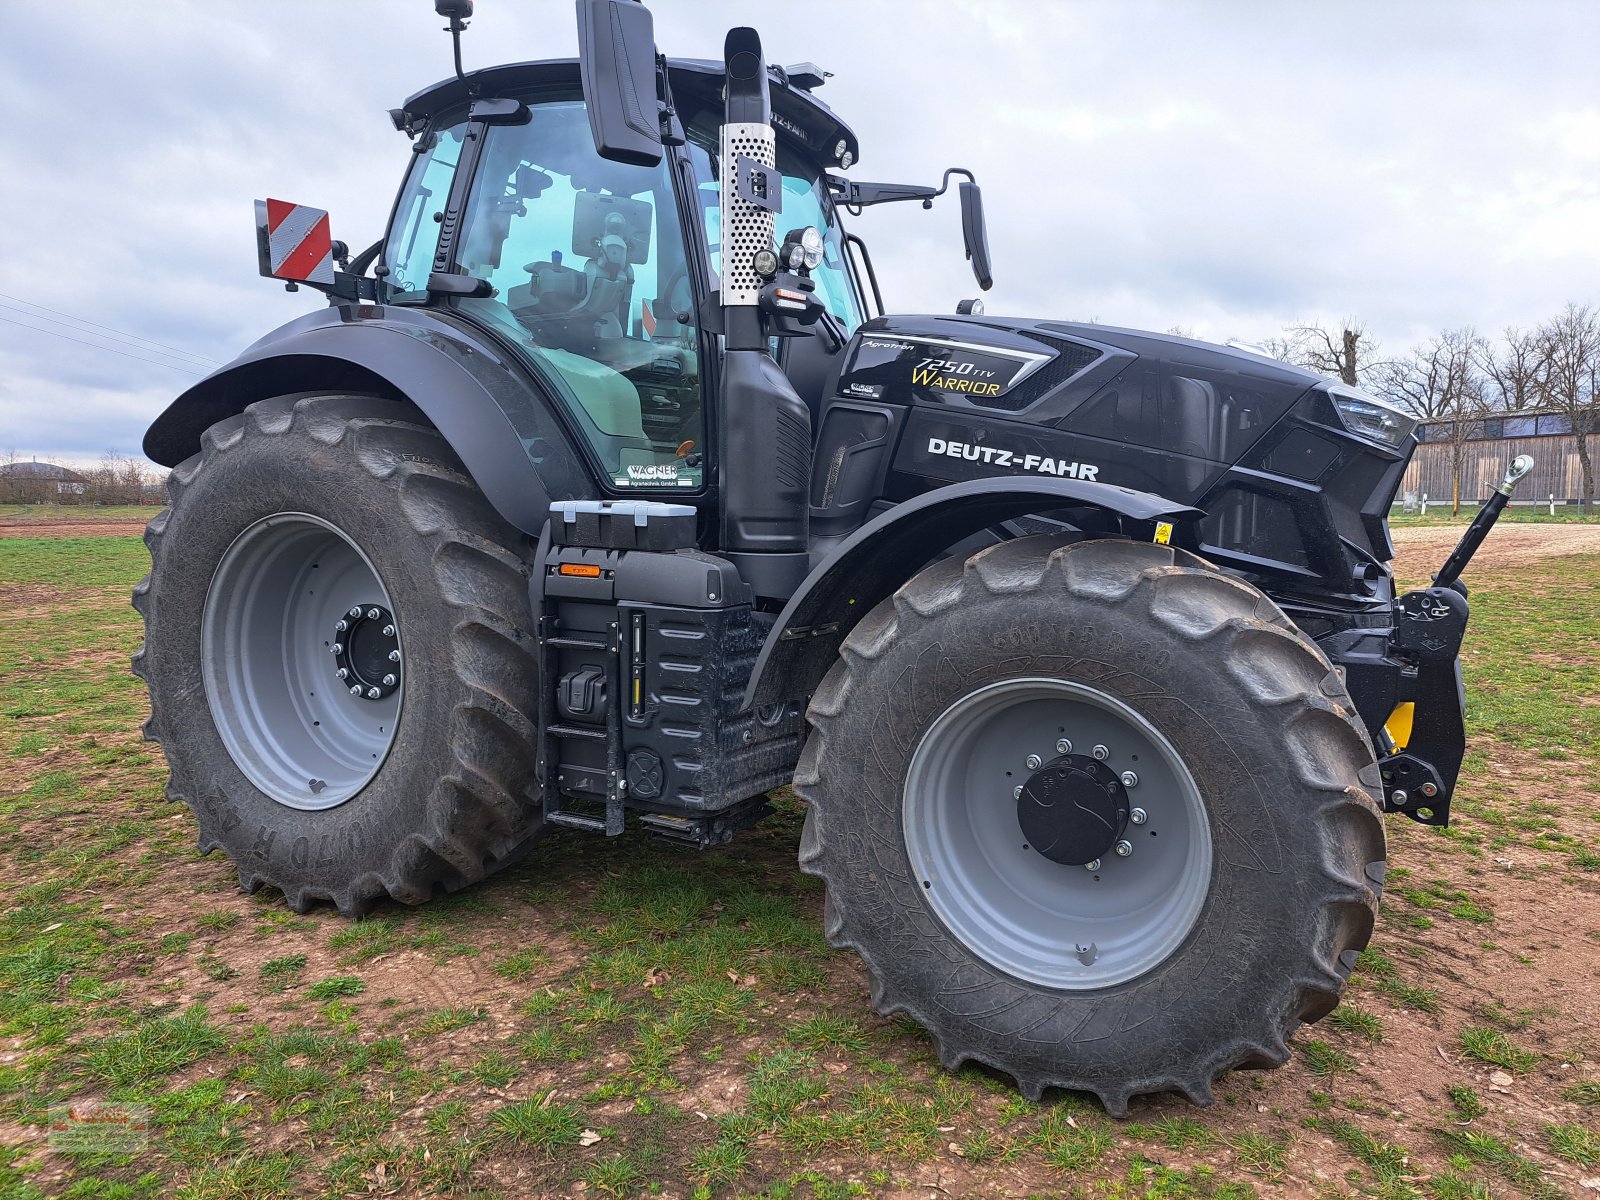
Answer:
[(1227, 166)]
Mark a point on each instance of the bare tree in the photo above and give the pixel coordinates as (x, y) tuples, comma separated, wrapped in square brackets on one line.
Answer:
[(1279, 348), (117, 479), (1442, 382), (1350, 355), (1513, 369), (1569, 373)]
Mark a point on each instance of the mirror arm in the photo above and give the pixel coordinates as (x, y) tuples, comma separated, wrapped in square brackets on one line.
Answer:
[(944, 184), (856, 195), (671, 126)]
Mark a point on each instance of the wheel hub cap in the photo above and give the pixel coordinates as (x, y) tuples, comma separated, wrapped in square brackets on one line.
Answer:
[(366, 651), (1073, 810)]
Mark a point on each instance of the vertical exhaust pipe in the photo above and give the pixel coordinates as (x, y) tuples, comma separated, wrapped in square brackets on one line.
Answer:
[(765, 459)]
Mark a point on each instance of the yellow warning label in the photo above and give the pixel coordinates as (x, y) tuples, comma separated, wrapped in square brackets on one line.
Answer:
[(1163, 532)]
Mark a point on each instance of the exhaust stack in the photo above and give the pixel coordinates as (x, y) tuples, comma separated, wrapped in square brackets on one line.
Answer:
[(765, 459)]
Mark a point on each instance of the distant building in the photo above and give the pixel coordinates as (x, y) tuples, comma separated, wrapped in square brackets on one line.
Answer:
[(40, 480), (1488, 446)]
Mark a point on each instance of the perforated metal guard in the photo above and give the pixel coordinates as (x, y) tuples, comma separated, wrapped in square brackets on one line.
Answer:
[(745, 228)]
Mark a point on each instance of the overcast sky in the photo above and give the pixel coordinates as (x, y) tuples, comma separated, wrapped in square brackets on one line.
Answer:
[(1226, 167)]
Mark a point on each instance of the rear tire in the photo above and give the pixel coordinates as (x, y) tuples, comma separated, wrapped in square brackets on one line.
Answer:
[(294, 510), (973, 662)]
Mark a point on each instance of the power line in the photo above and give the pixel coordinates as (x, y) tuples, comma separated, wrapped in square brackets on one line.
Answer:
[(154, 362), (85, 321), (147, 349)]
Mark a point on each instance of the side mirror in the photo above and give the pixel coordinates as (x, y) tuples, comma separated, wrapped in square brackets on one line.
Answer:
[(617, 58), (976, 234)]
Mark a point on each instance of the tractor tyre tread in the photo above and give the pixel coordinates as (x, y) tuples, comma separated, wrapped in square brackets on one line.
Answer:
[(1233, 626), (483, 813)]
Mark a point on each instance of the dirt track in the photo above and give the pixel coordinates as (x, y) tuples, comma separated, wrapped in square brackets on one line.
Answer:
[(63, 529), (1507, 546)]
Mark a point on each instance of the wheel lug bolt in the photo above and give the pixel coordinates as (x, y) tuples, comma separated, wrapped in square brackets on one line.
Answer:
[(1063, 746), (1033, 762), (1129, 779), (341, 626), (374, 693), (1124, 848), (373, 614), (1092, 865), (336, 648), (394, 656), (342, 673), (1016, 792), (1138, 816), (1101, 753), (388, 631), (355, 689), (354, 612), (388, 681)]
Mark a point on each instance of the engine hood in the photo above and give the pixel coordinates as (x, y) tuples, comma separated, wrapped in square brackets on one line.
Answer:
[(1012, 365)]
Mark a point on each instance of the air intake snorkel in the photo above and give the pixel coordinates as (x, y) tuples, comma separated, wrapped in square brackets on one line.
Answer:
[(752, 190)]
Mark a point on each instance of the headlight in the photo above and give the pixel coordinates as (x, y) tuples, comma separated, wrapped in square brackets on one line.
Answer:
[(802, 249), (1367, 416), (811, 243)]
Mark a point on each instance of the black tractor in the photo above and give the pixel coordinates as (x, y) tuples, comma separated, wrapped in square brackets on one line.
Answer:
[(603, 492)]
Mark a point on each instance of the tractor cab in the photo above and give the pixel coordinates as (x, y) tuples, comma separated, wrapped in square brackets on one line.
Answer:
[(597, 273)]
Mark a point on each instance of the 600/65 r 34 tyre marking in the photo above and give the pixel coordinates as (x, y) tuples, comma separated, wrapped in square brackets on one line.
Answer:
[(1254, 714), (363, 487)]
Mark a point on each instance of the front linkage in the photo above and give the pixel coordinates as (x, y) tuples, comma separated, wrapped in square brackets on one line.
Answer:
[(1406, 679)]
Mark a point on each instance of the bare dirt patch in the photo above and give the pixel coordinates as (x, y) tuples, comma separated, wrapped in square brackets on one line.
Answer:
[(1509, 545), (112, 527), (30, 595)]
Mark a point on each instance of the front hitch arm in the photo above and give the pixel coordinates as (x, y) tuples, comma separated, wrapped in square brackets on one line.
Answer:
[(1482, 523), (1419, 778)]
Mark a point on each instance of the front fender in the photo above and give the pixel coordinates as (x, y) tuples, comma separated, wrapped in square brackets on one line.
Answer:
[(483, 404), (874, 561)]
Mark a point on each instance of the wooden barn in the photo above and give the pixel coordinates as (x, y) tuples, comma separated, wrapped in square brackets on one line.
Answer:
[(1490, 444)]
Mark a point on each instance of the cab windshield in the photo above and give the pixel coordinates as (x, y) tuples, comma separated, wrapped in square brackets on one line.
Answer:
[(591, 283), (805, 202)]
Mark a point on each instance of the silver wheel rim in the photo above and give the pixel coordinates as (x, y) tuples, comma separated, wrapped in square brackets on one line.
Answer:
[(267, 645), (1060, 925)]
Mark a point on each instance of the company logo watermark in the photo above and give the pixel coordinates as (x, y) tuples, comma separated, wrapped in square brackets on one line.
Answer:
[(98, 1127)]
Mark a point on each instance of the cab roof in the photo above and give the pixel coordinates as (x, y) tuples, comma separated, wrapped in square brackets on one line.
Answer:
[(696, 85)]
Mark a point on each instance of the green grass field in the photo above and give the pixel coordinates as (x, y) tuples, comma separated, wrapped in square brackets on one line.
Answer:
[(1520, 514), (618, 1018)]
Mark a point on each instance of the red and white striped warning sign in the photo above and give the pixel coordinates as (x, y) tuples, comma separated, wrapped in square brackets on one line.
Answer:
[(294, 241)]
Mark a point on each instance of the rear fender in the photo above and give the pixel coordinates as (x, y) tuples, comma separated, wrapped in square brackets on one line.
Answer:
[(485, 405), (869, 565)]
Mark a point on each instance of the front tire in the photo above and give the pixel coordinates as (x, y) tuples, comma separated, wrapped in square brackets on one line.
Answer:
[(1001, 930), (339, 652)]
